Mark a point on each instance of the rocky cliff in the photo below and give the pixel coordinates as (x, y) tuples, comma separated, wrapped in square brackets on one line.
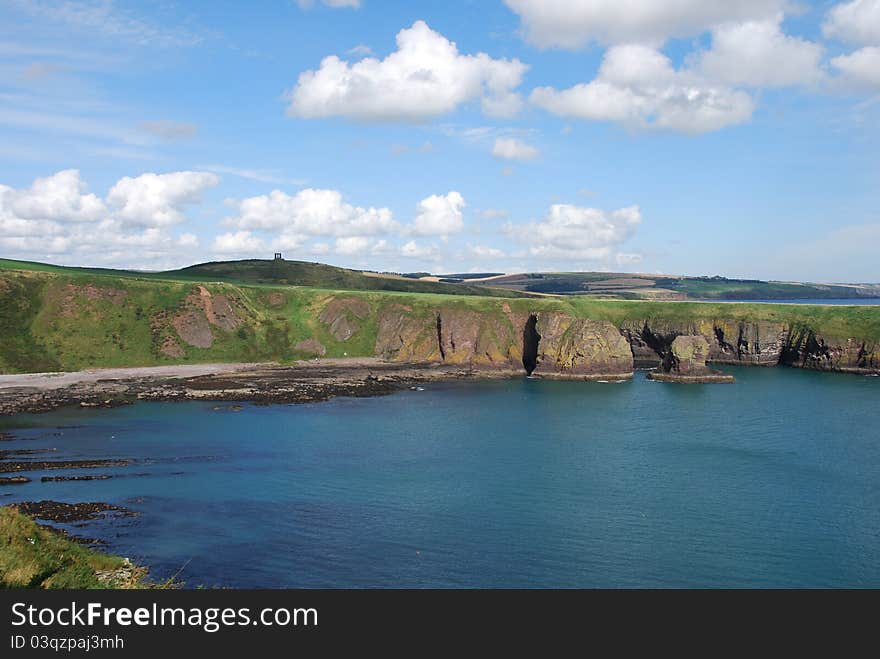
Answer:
[(686, 362), (59, 322), (760, 343), (556, 344)]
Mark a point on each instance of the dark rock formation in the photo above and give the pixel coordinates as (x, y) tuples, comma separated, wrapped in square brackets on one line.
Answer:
[(686, 362), (805, 349)]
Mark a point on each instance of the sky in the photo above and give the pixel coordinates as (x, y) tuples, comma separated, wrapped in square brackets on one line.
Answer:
[(695, 137)]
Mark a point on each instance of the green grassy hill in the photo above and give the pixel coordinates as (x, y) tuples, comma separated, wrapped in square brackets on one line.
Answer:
[(283, 273), (74, 319)]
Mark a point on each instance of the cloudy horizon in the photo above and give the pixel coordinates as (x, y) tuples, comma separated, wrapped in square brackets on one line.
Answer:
[(707, 138)]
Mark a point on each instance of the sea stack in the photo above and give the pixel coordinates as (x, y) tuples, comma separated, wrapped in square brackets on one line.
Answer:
[(686, 362)]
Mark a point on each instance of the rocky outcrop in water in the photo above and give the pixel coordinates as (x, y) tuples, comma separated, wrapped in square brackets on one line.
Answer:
[(686, 362), (729, 341)]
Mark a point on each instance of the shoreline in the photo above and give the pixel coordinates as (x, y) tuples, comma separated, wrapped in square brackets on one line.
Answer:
[(302, 382), (267, 383)]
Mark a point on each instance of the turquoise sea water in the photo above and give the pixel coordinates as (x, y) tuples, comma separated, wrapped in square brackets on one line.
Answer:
[(772, 481)]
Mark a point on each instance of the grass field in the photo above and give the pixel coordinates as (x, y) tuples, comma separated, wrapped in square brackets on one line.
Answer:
[(32, 556), (274, 273)]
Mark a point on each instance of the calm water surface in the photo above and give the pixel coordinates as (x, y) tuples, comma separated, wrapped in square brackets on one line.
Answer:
[(772, 481)]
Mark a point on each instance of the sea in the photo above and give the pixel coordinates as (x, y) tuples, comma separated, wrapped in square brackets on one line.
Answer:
[(773, 481)]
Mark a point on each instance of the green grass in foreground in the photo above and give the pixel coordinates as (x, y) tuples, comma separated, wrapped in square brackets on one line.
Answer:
[(32, 556)]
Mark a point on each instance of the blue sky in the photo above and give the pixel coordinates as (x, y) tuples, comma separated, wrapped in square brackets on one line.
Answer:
[(738, 139)]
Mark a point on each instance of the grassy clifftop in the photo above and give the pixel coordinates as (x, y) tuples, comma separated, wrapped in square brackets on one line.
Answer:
[(275, 273), (74, 320)]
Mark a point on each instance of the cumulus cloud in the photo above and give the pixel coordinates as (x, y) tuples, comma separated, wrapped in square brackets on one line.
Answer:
[(352, 245), (238, 242), (576, 23), (758, 53), (61, 197), (439, 215), (414, 250), (310, 212), (577, 233), (861, 68), (156, 199), (425, 77), (856, 22), (509, 148), (638, 86), (486, 252), (56, 219)]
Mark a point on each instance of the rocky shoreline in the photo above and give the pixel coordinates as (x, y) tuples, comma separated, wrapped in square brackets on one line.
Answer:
[(304, 382)]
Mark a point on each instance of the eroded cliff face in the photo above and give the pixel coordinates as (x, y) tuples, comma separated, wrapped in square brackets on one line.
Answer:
[(549, 344), (805, 349), (479, 340), (729, 341), (576, 347), (405, 336), (556, 344)]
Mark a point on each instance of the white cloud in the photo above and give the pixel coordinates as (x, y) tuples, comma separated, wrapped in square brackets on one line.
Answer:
[(576, 23), (439, 215), (156, 199), (361, 50), (415, 251), (352, 245), (239, 242), (578, 233), (311, 212), (61, 197), (56, 220), (637, 86), (758, 53), (425, 77), (486, 252), (188, 240), (334, 4), (861, 68), (513, 149), (856, 22)]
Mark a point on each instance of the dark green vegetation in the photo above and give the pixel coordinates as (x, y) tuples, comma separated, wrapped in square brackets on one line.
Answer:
[(663, 287), (33, 556), (283, 273)]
